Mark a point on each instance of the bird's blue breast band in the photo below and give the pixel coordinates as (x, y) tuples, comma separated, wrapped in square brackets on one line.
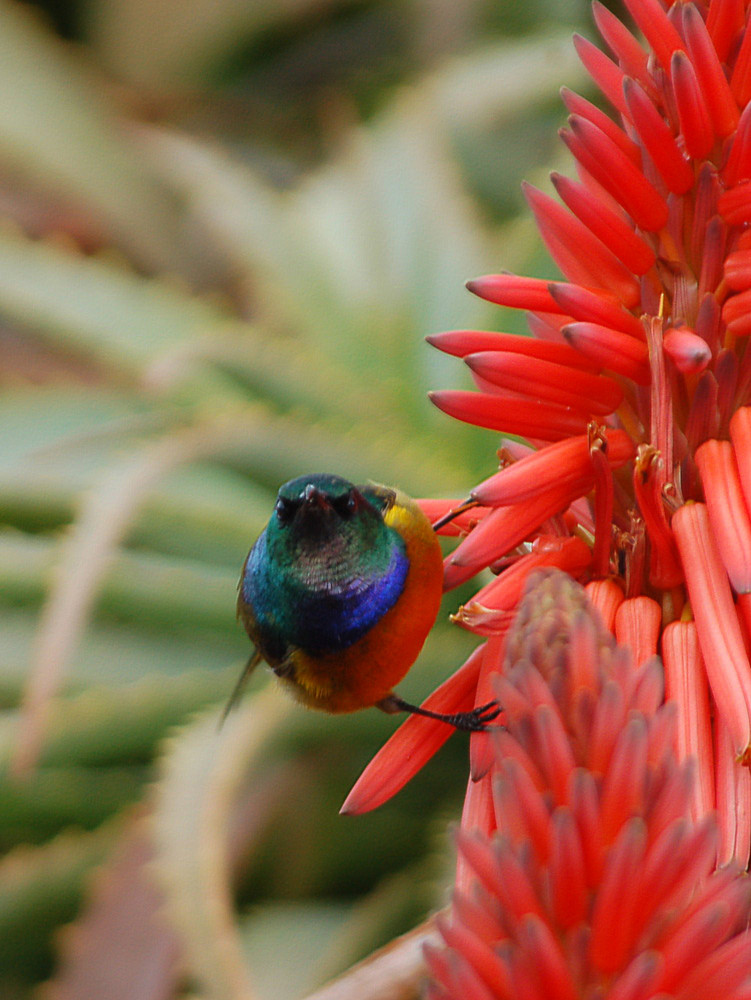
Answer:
[(315, 618)]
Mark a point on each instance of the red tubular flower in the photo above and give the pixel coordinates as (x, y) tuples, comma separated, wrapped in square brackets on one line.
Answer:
[(610, 349), (634, 396), (596, 883), (717, 622), (637, 626), (724, 24), (581, 255), (461, 343), (686, 685), (415, 741), (549, 467), (554, 382), (611, 228), (657, 139), (693, 114), (600, 157), (606, 74), (513, 414), (629, 53), (578, 105), (488, 613), (733, 798), (689, 352)]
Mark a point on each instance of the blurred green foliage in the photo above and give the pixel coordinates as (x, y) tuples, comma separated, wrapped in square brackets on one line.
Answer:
[(227, 228)]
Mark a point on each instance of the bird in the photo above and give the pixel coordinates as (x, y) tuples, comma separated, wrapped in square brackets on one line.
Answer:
[(339, 593)]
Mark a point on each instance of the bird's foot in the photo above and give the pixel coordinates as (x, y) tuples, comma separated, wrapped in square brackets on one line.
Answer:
[(476, 721)]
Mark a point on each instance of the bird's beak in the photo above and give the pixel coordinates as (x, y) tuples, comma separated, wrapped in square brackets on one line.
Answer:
[(314, 498)]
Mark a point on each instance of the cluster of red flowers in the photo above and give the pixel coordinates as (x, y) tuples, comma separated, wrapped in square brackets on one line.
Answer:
[(633, 394), (597, 883)]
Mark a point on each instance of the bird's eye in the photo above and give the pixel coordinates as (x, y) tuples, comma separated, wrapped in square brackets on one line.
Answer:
[(285, 510), (346, 505)]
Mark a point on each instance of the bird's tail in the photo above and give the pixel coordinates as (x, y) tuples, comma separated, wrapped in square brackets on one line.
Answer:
[(253, 660)]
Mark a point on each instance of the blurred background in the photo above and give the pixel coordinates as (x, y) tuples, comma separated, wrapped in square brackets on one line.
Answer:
[(226, 227)]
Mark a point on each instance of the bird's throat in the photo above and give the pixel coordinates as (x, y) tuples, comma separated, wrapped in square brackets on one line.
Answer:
[(322, 604)]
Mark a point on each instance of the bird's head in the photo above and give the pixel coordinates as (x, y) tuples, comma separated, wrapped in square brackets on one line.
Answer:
[(321, 510)]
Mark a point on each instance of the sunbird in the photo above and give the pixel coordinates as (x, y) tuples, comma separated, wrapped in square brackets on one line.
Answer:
[(338, 595)]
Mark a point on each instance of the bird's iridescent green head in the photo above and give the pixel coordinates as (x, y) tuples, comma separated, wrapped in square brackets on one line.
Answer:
[(324, 517)]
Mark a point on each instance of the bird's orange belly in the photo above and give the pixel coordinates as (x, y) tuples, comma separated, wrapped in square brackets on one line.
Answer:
[(366, 672)]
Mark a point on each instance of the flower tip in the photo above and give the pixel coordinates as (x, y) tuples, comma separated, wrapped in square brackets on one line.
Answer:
[(381, 779), (448, 341), (490, 287), (690, 352), (349, 806)]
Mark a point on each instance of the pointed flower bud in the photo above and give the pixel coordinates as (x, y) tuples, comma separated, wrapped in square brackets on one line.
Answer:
[(596, 880), (688, 352)]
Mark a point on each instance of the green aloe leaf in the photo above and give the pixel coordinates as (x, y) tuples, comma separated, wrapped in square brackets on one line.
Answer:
[(53, 798), (179, 41), (88, 552), (203, 775), (59, 442), (140, 587), (119, 947), (111, 725), (42, 888), (166, 651), (57, 132), (100, 309), (298, 935), (393, 235)]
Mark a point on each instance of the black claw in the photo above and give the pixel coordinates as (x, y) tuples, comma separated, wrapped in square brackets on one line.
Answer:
[(486, 713), (476, 721)]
